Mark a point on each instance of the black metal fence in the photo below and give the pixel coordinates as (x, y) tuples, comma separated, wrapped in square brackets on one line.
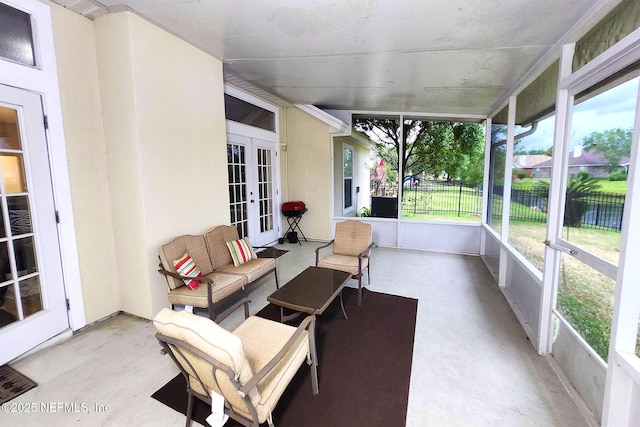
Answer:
[(455, 198), (601, 210), (451, 198)]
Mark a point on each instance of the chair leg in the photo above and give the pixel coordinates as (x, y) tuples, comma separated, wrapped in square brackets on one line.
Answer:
[(189, 408), (360, 289), (275, 273)]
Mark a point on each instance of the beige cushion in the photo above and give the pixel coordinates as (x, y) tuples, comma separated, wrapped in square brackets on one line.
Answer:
[(223, 286), (262, 340), (222, 345), (216, 240), (253, 269), (352, 237), (195, 246), (343, 263)]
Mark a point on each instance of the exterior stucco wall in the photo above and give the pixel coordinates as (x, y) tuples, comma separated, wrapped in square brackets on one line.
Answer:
[(163, 111), (74, 40), (308, 171)]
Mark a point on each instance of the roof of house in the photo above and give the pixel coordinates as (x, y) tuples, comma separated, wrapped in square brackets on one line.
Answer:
[(585, 158), (523, 161)]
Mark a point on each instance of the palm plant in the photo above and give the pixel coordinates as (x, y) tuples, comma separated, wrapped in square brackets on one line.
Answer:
[(576, 205)]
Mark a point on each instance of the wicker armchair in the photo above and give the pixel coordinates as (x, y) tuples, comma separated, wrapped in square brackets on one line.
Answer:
[(351, 251), (249, 367)]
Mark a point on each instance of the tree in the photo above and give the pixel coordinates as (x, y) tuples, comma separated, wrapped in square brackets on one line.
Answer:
[(612, 143), (430, 147)]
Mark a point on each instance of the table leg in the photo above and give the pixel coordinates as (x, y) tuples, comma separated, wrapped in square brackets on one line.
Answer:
[(342, 305), (314, 355)]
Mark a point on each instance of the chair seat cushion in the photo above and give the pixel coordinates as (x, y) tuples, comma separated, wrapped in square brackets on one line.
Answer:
[(262, 340), (253, 269), (223, 286), (343, 263)]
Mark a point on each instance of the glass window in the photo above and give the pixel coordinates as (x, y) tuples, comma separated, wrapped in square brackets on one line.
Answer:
[(442, 170), (386, 143), (16, 36), (241, 111), (496, 174), (347, 176), (530, 190), (597, 166)]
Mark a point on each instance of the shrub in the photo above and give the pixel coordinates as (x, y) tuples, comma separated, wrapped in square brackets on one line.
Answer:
[(522, 175), (618, 176), (365, 211)]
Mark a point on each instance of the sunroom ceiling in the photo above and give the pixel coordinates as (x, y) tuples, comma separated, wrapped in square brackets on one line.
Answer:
[(436, 56)]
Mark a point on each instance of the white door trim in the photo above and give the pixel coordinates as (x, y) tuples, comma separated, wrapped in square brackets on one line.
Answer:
[(44, 80)]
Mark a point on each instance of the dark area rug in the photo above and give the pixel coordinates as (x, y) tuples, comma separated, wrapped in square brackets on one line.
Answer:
[(271, 253), (13, 383), (363, 373)]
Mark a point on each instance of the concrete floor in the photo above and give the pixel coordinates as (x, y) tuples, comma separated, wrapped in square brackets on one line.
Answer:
[(472, 362)]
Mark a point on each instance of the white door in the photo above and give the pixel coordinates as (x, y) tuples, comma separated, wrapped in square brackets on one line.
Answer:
[(32, 297), (252, 188)]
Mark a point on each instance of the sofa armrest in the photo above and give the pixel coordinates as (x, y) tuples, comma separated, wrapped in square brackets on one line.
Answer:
[(177, 276)]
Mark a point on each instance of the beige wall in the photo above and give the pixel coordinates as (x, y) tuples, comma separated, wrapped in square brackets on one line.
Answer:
[(308, 164), (87, 161), (165, 132), (145, 133)]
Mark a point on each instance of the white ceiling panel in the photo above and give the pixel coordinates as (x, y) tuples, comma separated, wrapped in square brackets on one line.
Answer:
[(436, 56)]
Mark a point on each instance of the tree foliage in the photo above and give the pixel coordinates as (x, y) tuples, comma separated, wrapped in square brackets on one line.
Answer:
[(430, 148), (613, 144)]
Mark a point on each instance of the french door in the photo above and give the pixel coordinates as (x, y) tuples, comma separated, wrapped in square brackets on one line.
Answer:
[(32, 296), (252, 187)]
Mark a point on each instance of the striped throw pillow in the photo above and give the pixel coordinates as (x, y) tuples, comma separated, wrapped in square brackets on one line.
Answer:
[(186, 266), (241, 251)]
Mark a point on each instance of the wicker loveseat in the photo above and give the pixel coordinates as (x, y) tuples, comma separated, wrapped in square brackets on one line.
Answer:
[(220, 278)]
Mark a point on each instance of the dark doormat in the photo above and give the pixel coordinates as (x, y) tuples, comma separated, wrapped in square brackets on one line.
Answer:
[(364, 371), (13, 383), (271, 253)]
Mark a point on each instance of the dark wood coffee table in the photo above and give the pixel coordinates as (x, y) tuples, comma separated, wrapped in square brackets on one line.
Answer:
[(310, 292)]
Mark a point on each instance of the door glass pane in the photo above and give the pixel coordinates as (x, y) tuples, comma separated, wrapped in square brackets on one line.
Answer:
[(5, 264), (16, 36), (30, 296), (9, 135), (265, 183), (25, 256), (598, 162), (237, 188), (8, 305), (18, 256), (13, 173), (19, 215)]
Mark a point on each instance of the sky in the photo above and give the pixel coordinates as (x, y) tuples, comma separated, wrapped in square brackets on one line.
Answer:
[(612, 109)]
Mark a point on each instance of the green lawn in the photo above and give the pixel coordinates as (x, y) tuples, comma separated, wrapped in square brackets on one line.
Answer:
[(609, 187)]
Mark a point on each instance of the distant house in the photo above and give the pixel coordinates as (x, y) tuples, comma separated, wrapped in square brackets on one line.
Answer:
[(582, 160), (527, 163)]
